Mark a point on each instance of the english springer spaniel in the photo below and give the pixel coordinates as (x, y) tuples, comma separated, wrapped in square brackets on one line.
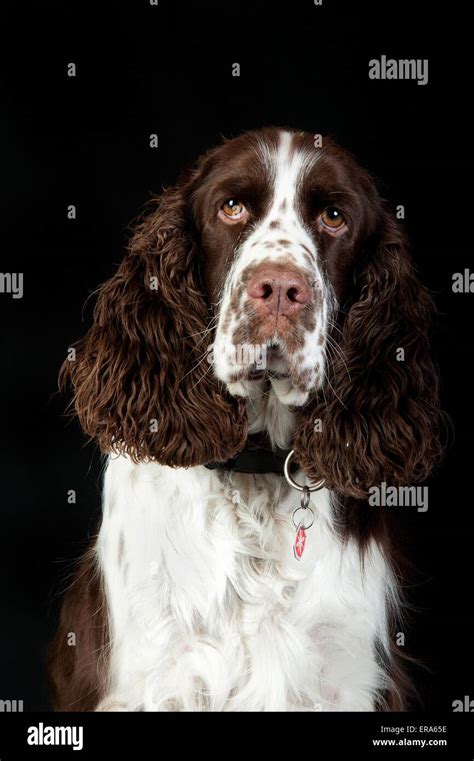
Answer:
[(265, 321)]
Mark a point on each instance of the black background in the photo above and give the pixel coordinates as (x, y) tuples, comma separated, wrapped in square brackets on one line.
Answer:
[(167, 70)]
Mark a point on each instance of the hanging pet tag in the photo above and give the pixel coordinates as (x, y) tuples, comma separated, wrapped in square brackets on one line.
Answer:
[(303, 515), (300, 542), (303, 519)]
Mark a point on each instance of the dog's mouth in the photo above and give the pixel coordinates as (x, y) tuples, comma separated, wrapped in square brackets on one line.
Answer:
[(256, 361), (278, 371), (270, 364)]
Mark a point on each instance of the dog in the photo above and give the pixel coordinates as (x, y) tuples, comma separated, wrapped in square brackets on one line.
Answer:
[(238, 565)]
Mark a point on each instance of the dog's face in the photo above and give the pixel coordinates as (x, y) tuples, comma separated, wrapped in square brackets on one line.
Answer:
[(280, 222), (280, 257)]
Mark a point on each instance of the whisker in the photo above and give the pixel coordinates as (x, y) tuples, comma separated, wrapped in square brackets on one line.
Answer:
[(204, 356), (201, 378), (339, 354)]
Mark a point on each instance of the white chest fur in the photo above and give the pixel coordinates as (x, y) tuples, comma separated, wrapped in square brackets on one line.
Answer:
[(208, 608)]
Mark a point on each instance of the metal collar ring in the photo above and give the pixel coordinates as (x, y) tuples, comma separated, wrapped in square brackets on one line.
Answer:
[(300, 487)]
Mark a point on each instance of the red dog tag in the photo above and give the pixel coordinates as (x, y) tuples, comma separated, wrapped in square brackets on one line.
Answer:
[(300, 543)]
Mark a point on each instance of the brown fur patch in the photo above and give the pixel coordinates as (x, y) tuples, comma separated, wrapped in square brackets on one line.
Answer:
[(78, 673)]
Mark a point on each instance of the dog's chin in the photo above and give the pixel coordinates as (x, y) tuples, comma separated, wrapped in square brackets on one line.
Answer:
[(277, 375), (285, 392), (254, 386)]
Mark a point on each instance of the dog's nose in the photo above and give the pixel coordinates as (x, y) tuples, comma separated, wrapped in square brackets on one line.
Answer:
[(279, 291)]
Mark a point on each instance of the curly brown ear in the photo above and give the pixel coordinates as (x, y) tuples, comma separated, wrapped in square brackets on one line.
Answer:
[(380, 419), (142, 383)]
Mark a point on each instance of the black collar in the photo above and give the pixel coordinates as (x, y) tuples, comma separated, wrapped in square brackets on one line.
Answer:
[(257, 456)]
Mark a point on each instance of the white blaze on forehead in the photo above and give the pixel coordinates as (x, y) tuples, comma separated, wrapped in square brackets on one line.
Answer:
[(291, 165), (286, 166)]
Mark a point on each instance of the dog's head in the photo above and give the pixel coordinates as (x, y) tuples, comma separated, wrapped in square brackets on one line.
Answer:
[(272, 270)]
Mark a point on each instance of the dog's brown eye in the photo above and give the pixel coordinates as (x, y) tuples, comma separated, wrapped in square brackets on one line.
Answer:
[(332, 218), (232, 208)]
